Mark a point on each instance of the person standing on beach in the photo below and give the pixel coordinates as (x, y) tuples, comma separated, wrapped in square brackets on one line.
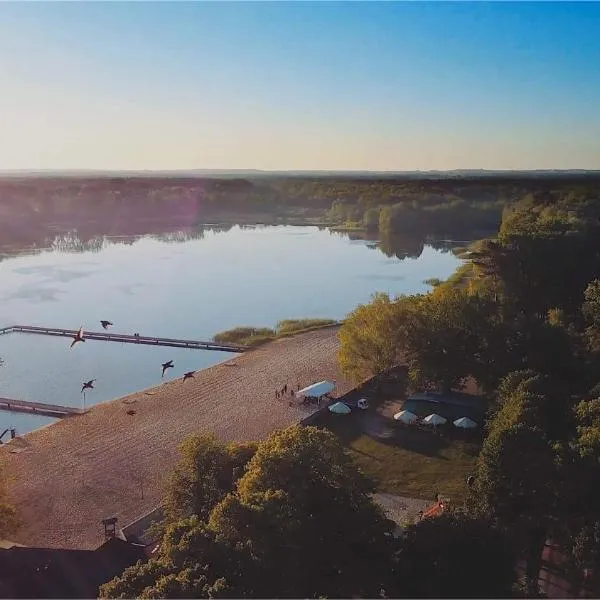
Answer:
[(285, 389)]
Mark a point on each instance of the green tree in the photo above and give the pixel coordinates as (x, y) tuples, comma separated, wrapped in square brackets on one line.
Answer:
[(372, 336), (529, 398), (191, 564), (308, 517), (591, 312), (546, 253), (205, 474), (515, 486), (446, 336), (433, 554)]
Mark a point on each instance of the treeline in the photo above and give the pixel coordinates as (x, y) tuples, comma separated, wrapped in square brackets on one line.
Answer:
[(523, 322), (387, 204)]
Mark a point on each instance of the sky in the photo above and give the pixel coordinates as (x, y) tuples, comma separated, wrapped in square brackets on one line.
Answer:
[(294, 86)]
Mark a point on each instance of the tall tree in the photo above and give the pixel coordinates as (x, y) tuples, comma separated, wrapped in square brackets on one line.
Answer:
[(306, 513), (516, 487), (372, 336), (433, 553), (205, 474)]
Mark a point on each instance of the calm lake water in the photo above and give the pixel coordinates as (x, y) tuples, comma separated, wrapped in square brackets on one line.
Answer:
[(188, 284)]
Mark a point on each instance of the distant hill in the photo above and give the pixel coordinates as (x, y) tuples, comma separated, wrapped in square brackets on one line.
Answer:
[(229, 173)]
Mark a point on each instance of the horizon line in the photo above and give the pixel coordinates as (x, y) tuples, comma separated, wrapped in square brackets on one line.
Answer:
[(276, 171)]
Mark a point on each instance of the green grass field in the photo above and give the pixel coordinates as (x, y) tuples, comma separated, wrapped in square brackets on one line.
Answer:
[(406, 461)]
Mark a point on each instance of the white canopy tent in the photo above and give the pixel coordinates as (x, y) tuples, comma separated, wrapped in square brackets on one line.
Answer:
[(434, 419), (405, 416), (339, 408), (465, 423), (316, 390)]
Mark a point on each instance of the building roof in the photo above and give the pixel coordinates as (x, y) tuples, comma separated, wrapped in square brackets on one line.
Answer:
[(455, 398), (56, 573)]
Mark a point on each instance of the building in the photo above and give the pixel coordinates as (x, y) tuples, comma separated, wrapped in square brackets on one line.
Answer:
[(57, 573)]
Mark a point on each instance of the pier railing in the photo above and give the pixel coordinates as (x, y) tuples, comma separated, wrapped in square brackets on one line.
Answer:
[(126, 338)]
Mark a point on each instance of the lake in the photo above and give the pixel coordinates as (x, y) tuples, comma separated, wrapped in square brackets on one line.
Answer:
[(187, 283)]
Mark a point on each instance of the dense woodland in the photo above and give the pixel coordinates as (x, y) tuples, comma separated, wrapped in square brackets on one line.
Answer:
[(386, 204), (293, 517)]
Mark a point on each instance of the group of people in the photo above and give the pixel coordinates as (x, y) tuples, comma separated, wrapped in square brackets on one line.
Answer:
[(285, 390), (279, 394)]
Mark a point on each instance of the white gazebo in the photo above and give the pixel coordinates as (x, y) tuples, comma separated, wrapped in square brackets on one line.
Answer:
[(434, 419), (316, 390), (465, 423), (406, 417), (339, 408)]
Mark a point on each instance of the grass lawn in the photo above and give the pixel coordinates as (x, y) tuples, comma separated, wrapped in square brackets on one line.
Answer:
[(406, 461)]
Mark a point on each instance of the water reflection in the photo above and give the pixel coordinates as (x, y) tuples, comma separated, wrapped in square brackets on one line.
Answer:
[(405, 245)]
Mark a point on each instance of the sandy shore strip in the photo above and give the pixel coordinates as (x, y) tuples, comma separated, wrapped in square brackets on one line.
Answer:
[(67, 477)]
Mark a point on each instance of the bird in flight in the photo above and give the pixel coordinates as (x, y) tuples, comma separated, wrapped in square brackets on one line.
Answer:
[(188, 375), (168, 365), (78, 337), (88, 385), (106, 324)]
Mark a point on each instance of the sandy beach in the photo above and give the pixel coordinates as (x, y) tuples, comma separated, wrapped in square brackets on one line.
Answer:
[(67, 477)]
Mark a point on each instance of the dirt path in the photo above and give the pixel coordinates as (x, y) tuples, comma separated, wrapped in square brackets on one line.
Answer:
[(67, 477)]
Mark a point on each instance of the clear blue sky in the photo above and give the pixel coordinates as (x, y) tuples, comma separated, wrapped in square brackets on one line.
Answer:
[(382, 86)]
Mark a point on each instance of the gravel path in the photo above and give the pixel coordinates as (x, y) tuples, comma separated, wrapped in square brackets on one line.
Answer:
[(67, 477), (399, 508)]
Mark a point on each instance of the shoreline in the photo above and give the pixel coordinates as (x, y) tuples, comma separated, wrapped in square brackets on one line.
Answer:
[(66, 477)]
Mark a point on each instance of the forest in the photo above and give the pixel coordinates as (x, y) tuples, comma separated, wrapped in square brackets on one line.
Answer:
[(389, 205)]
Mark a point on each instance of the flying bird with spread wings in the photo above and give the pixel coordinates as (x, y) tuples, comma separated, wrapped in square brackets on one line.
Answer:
[(168, 365), (78, 337), (88, 385)]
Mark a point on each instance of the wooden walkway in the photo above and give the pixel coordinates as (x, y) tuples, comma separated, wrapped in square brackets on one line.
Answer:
[(38, 408), (126, 338)]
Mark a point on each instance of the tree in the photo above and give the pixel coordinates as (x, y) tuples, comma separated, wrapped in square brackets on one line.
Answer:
[(205, 474), (547, 251), (434, 552), (444, 336), (448, 337), (305, 511), (372, 336), (515, 486), (591, 312), (191, 564), (529, 398)]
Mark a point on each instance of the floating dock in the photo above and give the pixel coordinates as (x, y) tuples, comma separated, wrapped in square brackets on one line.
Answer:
[(125, 338), (38, 408)]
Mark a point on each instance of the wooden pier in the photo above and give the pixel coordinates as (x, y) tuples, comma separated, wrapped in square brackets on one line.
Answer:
[(126, 338), (38, 408)]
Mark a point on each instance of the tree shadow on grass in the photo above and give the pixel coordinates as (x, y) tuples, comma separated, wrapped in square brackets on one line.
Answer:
[(418, 440)]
